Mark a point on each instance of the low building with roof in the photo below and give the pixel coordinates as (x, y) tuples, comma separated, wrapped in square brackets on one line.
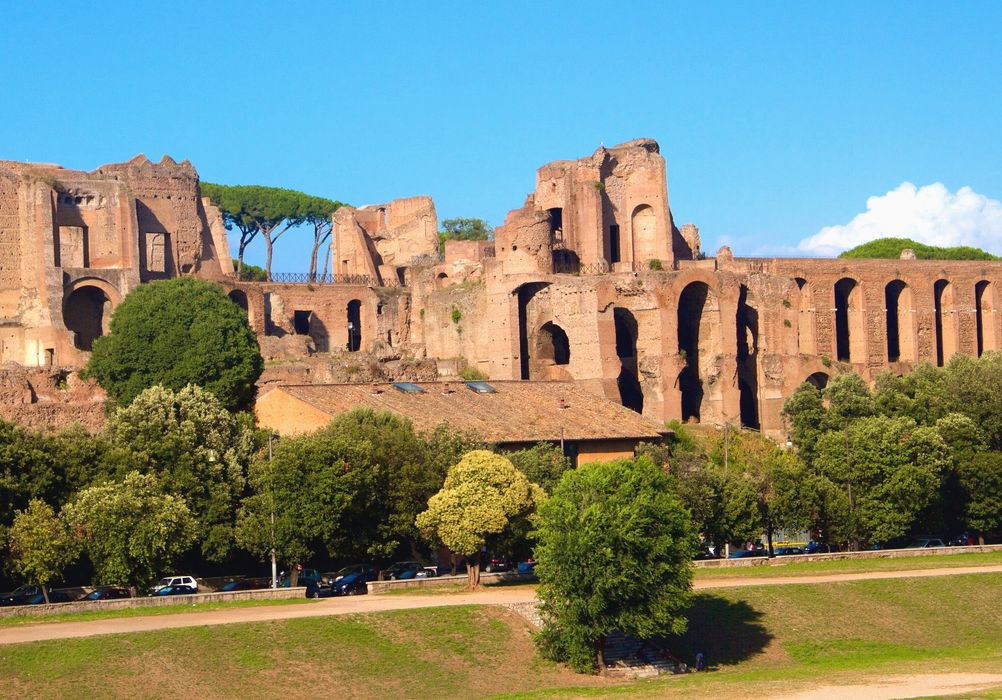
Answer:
[(509, 414)]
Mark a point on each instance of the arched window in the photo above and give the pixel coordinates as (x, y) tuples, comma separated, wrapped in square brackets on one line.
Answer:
[(645, 241), (87, 313), (900, 334), (354, 325), (849, 335), (984, 305), (946, 322), (698, 343), (239, 297)]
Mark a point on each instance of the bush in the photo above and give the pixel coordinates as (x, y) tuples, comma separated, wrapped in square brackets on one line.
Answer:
[(472, 374), (174, 333), (655, 264)]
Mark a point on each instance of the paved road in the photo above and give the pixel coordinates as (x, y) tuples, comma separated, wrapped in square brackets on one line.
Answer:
[(376, 603)]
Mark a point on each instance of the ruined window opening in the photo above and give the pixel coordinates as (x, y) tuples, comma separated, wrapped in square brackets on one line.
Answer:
[(848, 330), (556, 225), (985, 317), (524, 295), (643, 225), (946, 336), (631, 394), (894, 321), (552, 347), (86, 312), (698, 341), (238, 297), (354, 325), (819, 380), (747, 357), (614, 251), (301, 322)]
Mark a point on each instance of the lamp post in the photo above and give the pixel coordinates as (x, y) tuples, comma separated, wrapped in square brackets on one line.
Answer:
[(274, 563)]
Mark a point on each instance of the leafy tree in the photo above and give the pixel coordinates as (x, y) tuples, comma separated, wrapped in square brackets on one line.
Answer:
[(482, 493), (890, 470), (542, 464), (892, 247), (26, 470), (196, 448), (131, 531), (615, 551), (464, 230), (174, 333), (317, 212), (41, 545), (309, 496), (250, 273), (980, 475)]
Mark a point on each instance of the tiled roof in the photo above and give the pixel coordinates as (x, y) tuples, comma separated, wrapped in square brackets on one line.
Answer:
[(518, 411)]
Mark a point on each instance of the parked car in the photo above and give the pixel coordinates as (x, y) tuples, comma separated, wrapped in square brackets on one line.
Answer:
[(748, 553), (315, 589), (54, 597), (925, 542), (176, 581), (351, 580), (814, 547), (305, 575), (496, 564), (108, 593), (408, 569), (241, 584), (526, 567), (20, 595), (174, 590), (787, 551)]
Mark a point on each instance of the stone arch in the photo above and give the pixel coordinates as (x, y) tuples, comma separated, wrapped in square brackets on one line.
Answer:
[(946, 321), (819, 380), (87, 314), (550, 347), (898, 307), (806, 343), (631, 394), (523, 294), (746, 321), (698, 343), (354, 319), (984, 314), (850, 337), (441, 280), (239, 297), (643, 224)]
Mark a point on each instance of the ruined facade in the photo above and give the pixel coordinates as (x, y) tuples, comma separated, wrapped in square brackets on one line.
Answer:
[(590, 281)]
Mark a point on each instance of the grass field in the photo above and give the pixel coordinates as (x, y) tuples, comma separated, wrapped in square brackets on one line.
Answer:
[(849, 566), (759, 640)]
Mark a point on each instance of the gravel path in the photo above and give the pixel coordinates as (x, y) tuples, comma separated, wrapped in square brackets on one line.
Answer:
[(377, 603), (897, 687)]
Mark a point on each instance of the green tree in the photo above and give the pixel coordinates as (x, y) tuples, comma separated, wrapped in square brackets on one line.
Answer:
[(197, 450), (315, 487), (131, 531), (464, 230), (251, 273), (980, 475), (481, 494), (892, 247), (26, 471), (174, 333), (41, 545), (624, 520), (542, 464), (317, 212)]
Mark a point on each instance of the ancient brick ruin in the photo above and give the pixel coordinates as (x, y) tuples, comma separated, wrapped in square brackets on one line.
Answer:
[(590, 280)]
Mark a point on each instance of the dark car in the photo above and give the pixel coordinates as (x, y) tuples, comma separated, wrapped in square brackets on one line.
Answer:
[(817, 548), (175, 590), (748, 553), (926, 542), (20, 595), (497, 564), (351, 580), (787, 551), (240, 584), (406, 570), (526, 567), (305, 576), (108, 593), (317, 590), (54, 597)]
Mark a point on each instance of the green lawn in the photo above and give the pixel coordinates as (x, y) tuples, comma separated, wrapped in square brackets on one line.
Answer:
[(143, 612), (760, 640), (849, 566)]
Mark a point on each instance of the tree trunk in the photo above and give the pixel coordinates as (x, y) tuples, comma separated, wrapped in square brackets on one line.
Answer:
[(768, 536), (600, 653), (981, 538), (473, 570), (313, 260), (45, 593), (294, 576), (267, 259), (240, 259)]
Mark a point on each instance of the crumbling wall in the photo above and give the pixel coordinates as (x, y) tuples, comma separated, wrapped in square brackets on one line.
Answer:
[(49, 399)]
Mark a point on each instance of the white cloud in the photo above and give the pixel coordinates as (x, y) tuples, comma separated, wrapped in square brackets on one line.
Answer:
[(930, 214)]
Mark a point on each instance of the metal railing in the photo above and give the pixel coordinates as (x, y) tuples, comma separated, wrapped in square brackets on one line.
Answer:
[(306, 278)]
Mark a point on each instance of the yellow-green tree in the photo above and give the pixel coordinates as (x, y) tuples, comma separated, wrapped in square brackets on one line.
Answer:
[(41, 545), (482, 493)]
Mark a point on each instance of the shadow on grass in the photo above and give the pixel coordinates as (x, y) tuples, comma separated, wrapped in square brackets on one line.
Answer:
[(726, 632)]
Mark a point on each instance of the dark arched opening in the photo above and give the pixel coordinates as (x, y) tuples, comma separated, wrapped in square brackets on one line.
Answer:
[(239, 297), (87, 312), (552, 346), (697, 338), (524, 295), (819, 380), (892, 302), (354, 325), (847, 307), (945, 328), (631, 394), (747, 356), (984, 311)]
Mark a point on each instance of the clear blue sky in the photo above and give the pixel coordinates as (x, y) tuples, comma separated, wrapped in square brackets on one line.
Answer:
[(776, 119)]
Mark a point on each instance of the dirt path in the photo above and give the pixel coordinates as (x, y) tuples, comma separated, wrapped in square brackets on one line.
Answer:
[(378, 603), (897, 687)]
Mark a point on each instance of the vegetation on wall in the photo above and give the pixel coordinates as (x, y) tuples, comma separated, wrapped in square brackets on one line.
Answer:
[(892, 247), (461, 229)]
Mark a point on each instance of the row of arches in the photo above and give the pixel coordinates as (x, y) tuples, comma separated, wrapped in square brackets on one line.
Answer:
[(900, 325)]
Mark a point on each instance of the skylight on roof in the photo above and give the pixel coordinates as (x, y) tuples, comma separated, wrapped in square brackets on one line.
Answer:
[(481, 387), (408, 387)]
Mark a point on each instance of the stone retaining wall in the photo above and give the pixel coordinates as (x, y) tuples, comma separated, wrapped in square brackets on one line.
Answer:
[(150, 602), (868, 554), (377, 587)]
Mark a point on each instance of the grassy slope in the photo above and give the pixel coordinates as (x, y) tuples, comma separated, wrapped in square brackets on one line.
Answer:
[(892, 247), (762, 639)]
